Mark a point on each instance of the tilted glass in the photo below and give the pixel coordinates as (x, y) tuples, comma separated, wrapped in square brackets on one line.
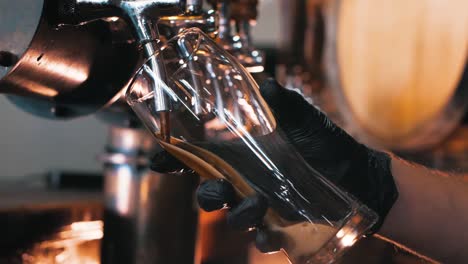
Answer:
[(221, 127)]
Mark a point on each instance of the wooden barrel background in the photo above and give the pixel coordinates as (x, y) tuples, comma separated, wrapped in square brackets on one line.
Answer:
[(396, 68)]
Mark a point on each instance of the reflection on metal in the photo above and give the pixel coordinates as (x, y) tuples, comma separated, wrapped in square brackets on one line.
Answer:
[(75, 73), (77, 243), (73, 70), (14, 40), (40, 225), (142, 16), (255, 69), (73, 59), (242, 15), (194, 16), (300, 52), (149, 217), (123, 191)]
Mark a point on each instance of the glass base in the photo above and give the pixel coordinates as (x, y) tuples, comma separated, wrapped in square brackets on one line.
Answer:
[(358, 223)]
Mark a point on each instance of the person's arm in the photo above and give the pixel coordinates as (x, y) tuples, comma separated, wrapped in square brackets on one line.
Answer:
[(430, 215)]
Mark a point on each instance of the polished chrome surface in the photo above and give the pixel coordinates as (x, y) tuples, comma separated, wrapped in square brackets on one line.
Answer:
[(19, 22), (148, 217), (194, 6), (252, 58), (301, 49), (237, 40), (130, 139), (70, 71), (143, 14), (118, 113), (38, 225), (205, 20), (81, 54), (61, 78)]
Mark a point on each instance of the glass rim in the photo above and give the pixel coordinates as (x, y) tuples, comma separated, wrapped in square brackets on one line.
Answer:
[(134, 77)]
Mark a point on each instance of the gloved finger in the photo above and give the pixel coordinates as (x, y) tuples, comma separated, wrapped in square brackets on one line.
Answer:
[(289, 107), (267, 240), (248, 213), (272, 91), (306, 127), (215, 194), (279, 97), (163, 162)]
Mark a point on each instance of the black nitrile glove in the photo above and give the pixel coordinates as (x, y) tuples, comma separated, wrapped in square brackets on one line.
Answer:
[(363, 172)]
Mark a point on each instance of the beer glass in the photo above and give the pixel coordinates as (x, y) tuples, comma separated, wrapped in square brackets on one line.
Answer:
[(220, 126)]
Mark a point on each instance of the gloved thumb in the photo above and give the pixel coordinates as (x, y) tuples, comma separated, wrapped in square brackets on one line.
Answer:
[(272, 92), (289, 107)]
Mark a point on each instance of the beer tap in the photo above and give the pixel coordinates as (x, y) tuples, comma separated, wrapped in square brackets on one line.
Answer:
[(76, 58), (193, 16), (56, 77), (143, 16), (237, 40)]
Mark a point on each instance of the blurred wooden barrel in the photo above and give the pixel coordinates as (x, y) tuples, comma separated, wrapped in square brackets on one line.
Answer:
[(397, 66)]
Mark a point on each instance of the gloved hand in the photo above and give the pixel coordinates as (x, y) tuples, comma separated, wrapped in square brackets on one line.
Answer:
[(362, 172)]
